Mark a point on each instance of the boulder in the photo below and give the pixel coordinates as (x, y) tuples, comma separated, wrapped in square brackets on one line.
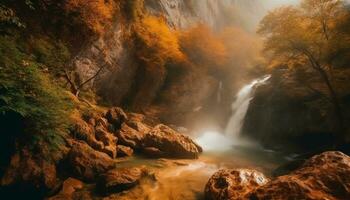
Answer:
[(124, 151), (69, 186), (86, 163), (130, 137), (233, 184), (171, 143), (116, 116), (117, 180), (324, 176)]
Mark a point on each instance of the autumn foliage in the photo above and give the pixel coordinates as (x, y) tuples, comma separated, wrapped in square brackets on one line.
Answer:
[(94, 14), (203, 47), (156, 42)]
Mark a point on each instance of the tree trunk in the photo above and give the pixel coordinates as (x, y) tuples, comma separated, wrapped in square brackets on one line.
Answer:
[(336, 105)]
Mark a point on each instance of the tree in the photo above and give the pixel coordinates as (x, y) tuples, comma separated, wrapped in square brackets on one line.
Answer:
[(94, 14), (156, 45), (77, 85), (308, 36), (204, 49)]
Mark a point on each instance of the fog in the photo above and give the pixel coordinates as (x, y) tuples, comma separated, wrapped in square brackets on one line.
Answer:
[(248, 13)]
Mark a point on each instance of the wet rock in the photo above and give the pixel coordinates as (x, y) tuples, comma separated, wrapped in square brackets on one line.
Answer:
[(171, 143), (117, 180), (324, 176), (86, 163), (124, 151), (69, 186), (233, 184), (116, 116)]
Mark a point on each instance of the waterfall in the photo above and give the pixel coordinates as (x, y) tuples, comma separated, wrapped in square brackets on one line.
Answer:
[(216, 141), (240, 107)]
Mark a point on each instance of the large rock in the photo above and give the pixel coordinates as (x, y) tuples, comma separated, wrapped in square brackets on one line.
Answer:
[(170, 143), (86, 163), (325, 176), (233, 184), (117, 180)]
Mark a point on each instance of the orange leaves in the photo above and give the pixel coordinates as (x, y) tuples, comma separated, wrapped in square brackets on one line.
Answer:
[(156, 43), (95, 14), (203, 47)]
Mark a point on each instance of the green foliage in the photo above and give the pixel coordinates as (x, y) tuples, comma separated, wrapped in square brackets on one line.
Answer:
[(27, 90), (53, 54)]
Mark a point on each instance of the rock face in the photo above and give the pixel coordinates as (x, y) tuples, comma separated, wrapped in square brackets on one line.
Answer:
[(233, 184), (324, 176), (86, 163), (287, 106)]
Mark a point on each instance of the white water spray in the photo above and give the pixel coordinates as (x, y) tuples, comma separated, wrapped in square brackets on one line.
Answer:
[(240, 107), (214, 141)]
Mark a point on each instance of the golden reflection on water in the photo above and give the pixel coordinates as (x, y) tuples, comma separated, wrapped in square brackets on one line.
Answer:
[(186, 179)]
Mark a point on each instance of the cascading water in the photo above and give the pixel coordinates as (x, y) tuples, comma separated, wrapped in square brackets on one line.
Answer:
[(240, 107), (214, 141)]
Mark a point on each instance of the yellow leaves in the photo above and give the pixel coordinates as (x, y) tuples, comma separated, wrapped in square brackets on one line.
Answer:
[(95, 14), (203, 47), (157, 42)]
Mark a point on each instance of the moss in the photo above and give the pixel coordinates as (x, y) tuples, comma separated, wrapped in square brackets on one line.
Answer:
[(26, 89)]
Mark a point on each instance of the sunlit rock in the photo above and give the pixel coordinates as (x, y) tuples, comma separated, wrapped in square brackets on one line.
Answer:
[(171, 143), (233, 184), (324, 176)]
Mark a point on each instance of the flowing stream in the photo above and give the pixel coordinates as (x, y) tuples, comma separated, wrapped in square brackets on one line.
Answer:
[(186, 179)]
